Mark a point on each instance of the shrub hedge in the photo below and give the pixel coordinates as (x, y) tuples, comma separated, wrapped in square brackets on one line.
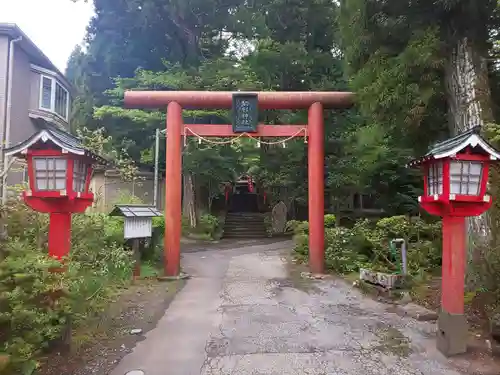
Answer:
[(366, 244)]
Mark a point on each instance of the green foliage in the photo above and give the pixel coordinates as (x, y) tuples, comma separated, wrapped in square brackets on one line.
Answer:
[(159, 222), (126, 197), (207, 227), (367, 245), (397, 73), (330, 221), (36, 303), (208, 224), (28, 319), (262, 54), (292, 226), (298, 227), (97, 141), (268, 224), (340, 255)]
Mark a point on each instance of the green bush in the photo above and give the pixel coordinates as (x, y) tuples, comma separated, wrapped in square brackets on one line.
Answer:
[(154, 252), (159, 222), (292, 225), (341, 255), (31, 316), (268, 224), (295, 226), (367, 244), (206, 228), (298, 227), (301, 248), (29, 320), (330, 221), (208, 224)]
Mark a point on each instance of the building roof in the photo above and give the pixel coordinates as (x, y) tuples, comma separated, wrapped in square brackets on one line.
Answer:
[(48, 132), (135, 210), (36, 55), (450, 147)]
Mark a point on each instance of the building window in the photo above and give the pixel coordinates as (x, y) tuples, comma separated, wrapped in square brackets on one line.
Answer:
[(46, 93), (54, 97)]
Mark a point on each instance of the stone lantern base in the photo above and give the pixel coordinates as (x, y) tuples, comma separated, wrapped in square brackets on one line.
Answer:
[(452, 334)]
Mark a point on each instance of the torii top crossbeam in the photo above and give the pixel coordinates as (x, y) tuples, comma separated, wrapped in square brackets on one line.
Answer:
[(224, 99)]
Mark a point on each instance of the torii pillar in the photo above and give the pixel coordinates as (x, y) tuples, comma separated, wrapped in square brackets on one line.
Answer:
[(175, 101)]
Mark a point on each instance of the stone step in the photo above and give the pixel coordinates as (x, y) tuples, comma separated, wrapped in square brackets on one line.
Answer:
[(245, 214), (244, 219), (245, 235), (244, 225), (243, 231)]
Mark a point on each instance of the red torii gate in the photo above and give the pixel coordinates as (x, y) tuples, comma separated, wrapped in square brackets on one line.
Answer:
[(175, 101)]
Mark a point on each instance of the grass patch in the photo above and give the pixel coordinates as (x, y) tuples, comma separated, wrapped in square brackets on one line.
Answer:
[(392, 341), (150, 270), (295, 270)]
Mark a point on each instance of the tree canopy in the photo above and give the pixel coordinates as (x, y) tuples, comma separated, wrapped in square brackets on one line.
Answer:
[(395, 55)]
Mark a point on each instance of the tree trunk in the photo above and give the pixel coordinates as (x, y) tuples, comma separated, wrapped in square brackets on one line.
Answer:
[(188, 203), (469, 96), (469, 101)]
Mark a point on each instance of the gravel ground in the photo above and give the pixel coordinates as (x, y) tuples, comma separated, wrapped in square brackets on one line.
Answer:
[(249, 311), (105, 341), (242, 312)]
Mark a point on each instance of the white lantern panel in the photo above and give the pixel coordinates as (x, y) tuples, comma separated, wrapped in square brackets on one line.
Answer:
[(465, 177), (40, 164), (50, 173), (61, 164), (79, 175), (435, 179)]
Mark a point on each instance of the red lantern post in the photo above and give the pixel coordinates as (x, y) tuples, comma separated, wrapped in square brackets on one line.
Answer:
[(455, 184), (59, 171)]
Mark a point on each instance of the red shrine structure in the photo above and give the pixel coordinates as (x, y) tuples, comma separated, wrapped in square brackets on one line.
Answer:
[(59, 173), (455, 186), (245, 107)]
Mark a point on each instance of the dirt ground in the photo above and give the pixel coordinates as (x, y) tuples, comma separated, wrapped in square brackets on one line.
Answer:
[(109, 338), (97, 348), (106, 340), (477, 361)]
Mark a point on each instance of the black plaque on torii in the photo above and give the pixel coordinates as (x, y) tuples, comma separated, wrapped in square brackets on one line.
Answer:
[(245, 112)]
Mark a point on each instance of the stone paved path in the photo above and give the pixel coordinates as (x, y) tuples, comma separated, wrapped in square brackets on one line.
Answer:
[(240, 314)]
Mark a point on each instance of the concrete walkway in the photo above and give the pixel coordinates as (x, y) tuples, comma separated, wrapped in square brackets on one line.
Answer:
[(240, 314)]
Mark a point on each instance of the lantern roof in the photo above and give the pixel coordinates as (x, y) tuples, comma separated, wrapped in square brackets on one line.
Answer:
[(135, 210), (49, 133), (451, 147)]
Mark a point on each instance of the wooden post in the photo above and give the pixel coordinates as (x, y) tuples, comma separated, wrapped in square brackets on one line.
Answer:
[(173, 188), (59, 234), (136, 248), (452, 324), (316, 160)]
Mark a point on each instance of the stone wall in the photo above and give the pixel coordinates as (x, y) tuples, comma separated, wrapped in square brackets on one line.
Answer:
[(109, 188)]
